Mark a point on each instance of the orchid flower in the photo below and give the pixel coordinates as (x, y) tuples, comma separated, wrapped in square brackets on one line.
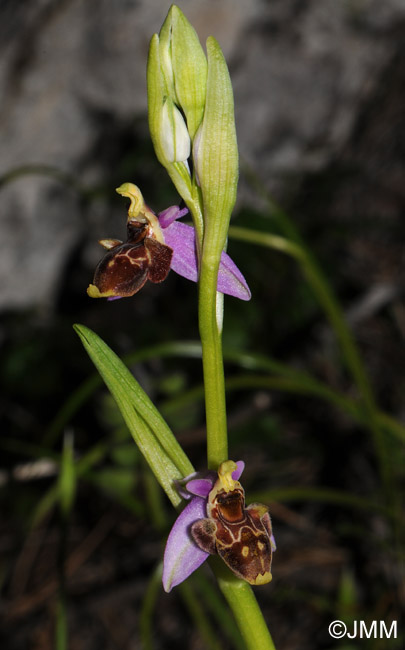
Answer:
[(155, 244), (217, 521)]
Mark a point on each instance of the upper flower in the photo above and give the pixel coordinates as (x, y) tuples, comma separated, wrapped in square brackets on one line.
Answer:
[(217, 521), (154, 245)]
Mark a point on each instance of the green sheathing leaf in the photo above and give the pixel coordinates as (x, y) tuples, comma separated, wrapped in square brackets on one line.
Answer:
[(217, 152)]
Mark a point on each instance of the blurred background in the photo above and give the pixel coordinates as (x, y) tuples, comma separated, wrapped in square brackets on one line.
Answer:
[(319, 99)]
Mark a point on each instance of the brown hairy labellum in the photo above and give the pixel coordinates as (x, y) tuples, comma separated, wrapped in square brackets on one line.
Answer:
[(241, 535), (126, 266)]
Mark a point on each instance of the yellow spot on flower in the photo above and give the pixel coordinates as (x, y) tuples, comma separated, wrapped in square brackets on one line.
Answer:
[(245, 551), (263, 578), (94, 292)]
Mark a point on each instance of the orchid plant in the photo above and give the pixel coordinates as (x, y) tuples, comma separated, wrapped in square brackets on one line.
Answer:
[(192, 126)]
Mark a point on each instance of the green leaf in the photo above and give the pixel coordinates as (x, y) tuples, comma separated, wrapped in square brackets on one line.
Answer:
[(149, 430)]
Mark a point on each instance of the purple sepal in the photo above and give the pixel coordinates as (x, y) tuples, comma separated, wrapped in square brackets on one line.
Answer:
[(181, 238), (230, 279), (182, 555)]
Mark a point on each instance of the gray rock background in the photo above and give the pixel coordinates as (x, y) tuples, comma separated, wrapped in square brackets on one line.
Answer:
[(319, 90)]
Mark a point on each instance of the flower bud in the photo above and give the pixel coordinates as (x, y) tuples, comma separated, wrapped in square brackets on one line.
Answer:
[(184, 67), (175, 140), (166, 124)]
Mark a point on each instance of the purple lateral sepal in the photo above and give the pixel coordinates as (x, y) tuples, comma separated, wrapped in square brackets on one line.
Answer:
[(182, 555), (230, 279), (181, 238)]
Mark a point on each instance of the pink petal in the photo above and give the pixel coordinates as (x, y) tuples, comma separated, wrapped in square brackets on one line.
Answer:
[(182, 555), (237, 473), (181, 238), (182, 484), (201, 487), (231, 280), (171, 214)]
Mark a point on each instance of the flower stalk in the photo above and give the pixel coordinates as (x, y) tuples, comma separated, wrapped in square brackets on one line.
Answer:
[(213, 369)]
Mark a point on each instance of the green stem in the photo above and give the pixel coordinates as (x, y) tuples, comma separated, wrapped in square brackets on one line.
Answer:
[(245, 608), (237, 592), (213, 368)]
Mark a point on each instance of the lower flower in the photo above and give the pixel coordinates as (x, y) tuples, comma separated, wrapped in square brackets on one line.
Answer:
[(216, 521)]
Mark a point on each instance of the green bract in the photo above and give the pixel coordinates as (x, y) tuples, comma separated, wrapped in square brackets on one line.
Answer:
[(216, 152)]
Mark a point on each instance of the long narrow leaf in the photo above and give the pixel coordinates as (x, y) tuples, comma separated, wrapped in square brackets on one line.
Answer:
[(149, 430)]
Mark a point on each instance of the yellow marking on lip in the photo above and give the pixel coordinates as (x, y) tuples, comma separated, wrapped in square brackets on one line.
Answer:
[(94, 292), (245, 551), (263, 578)]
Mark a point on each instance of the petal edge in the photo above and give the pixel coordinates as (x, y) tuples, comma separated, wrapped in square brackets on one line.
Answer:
[(182, 555)]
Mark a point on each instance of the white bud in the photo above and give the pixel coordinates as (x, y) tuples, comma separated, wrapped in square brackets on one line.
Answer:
[(174, 137)]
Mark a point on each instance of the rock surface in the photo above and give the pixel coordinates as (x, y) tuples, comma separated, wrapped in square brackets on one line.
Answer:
[(307, 78)]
